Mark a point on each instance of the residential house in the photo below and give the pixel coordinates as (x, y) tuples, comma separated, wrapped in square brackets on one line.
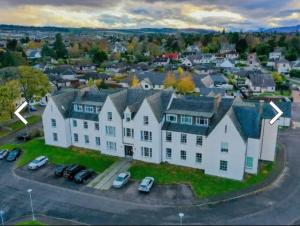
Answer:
[(253, 61), (221, 136), (260, 83), (34, 54), (161, 61), (275, 55), (227, 48), (283, 66)]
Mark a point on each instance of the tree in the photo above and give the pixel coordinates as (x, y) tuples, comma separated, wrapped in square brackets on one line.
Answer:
[(10, 58), (74, 51), (59, 47), (33, 83), (185, 84), (170, 80), (47, 51), (9, 94), (241, 46), (277, 78), (12, 44), (135, 82), (180, 71), (295, 73), (99, 56)]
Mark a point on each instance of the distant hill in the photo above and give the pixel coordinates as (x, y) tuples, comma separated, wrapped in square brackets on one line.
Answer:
[(140, 30), (289, 29)]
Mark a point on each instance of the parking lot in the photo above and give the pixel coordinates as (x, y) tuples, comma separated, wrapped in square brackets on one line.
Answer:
[(180, 194)]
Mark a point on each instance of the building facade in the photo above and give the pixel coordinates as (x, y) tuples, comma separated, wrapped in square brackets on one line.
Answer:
[(224, 137)]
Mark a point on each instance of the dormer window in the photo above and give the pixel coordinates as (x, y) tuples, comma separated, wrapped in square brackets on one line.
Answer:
[(201, 121), (78, 107), (185, 119), (89, 109), (171, 118)]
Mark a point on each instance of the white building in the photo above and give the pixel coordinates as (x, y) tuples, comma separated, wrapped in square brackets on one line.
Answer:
[(221, 136), (260, 83), (283, 66)]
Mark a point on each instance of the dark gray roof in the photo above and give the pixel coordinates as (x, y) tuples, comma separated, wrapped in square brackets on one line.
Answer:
[(262, 80), (218, 78), (209, 91), (219, 107), (132, 98), (63, 101), (159, 103)]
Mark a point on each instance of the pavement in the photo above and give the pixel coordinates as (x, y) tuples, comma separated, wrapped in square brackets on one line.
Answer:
[(278, 204), (105, 180)]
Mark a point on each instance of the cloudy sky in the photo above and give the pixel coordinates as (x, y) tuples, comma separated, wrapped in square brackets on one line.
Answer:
[(210, 14)]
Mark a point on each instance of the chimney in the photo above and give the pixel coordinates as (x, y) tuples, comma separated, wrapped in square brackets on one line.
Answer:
[(217, 102)]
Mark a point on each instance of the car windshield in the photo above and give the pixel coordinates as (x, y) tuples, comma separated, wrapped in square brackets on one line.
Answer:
[(35, 161), (120, 179)]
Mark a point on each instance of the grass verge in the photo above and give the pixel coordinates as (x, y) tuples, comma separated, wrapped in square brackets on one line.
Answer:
[(57, 155), (23, 223), (203, 185)]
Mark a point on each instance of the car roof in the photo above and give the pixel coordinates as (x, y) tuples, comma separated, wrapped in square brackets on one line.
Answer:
[(123, 174), (40, 158), (146, 180)]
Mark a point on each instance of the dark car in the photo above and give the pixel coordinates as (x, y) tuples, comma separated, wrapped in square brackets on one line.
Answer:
[(59, 170), (83, 176), (72, 170), (24, 136), (13, 155)]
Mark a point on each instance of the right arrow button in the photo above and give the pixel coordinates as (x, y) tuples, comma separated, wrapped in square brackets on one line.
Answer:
[(279, 112)]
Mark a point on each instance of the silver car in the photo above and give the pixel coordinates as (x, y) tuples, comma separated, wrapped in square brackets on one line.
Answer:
[(38, 162), (121, 180), (146, 184), (3, 154)]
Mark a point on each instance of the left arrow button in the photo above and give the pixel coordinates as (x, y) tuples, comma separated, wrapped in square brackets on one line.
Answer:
[(17, 112)]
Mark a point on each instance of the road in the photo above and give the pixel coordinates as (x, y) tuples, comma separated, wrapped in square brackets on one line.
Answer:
[(279, 204)]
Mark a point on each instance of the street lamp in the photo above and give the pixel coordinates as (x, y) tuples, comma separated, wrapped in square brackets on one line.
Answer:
[(29, 192), (1, 214), (181, 215)]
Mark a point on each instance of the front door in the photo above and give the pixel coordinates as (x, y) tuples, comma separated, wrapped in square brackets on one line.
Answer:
[(128, 151)]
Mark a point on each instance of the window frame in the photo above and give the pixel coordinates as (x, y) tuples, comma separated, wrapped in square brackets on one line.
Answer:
[(182, 135), (183, 155), (223, 167)]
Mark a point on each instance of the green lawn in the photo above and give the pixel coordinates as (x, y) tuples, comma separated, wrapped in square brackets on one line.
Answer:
[(203, 185), (15, 126), (90, 159), (24, 223), (285, 93)]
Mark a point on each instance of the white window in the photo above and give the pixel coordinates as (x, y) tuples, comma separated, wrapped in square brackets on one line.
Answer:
[(111, 146), (146, 120), (109, 116), (85, 125), (185, 119), (183, 155), (127, 117), (223, 165), (169, 136), (146, 136), (53, 123), (183, 138), (171, 118), (74, 123), (168, 153), (86, 139), (198, 157), (128, 132), (146, 152), (75, 137), (97, 141), (89, 109), (110, 131), (199, 140), (78, 107), (96, 126), (201, 121), (249, 162), (224, 147), (55, 138)]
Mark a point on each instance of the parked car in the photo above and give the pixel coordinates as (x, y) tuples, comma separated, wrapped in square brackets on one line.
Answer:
[(3, 154), (59, 170), (38, 163), (83, 176), (146, 184), (72, 170), (121, 180), (42, 104), (32, 108), (24, 136), (13, 154)]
